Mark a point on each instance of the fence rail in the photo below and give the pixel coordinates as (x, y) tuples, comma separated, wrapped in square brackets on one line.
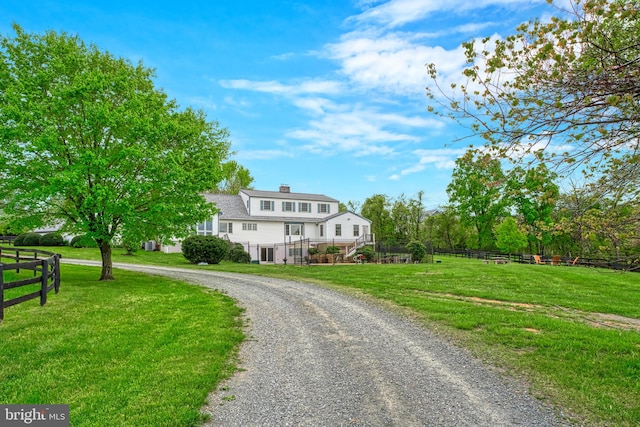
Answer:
[(46, 264), (626, 264)]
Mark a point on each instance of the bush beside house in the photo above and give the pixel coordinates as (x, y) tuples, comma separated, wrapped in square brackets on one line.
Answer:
[(205, 249), (239, 255)]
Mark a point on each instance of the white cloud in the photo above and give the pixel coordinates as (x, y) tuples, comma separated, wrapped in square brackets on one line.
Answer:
[(315, 106), (393, 63), (236, 103), (263, 154), (284, 56), (396, 13), (441, 158), (203, 102), (275, 87), (357, 131)]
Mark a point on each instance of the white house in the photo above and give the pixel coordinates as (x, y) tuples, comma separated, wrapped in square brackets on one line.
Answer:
[(277, 225)]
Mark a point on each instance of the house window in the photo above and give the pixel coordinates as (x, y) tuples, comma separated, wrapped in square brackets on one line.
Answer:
[(294, 229), (226, 227), (356, 230), (295, 252), (288, 207), (324, 208), (267, 205), (205, 228), (304, 207), (321, 230), (249, 226), (338, 229)]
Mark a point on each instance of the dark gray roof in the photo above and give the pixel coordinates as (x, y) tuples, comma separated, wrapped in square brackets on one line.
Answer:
[(229, 205), (288, 196)]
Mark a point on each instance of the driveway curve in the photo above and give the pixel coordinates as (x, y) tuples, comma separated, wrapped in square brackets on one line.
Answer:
[(317, 357)]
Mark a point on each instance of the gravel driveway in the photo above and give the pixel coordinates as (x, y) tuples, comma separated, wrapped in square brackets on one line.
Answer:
[(317, 357)]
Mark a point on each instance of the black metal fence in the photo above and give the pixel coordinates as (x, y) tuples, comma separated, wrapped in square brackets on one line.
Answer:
[(397, 252), (46, 272)]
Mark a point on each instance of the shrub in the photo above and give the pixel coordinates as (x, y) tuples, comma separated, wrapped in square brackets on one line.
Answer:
[(19, 240), (52, 239), (83, 241), (234, 247), (417, 250), (367, 252), (239, 255), (130, 245), (331, 250), (209, 249), (27, 239)]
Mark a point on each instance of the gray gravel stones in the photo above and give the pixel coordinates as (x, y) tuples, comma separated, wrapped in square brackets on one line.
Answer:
[(317, 357)]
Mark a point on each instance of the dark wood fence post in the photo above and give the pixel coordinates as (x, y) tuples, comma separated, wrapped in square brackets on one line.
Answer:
[(56, 279), (1, 292), (45, 280)]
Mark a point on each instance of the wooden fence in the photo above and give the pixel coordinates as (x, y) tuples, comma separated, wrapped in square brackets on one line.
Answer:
[(623, 264), (46, 271)]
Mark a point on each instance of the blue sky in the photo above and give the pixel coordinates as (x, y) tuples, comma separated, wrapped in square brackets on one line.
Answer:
[(325, 96)]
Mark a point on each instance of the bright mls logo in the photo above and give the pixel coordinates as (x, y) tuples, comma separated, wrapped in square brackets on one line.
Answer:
[(34, 415)]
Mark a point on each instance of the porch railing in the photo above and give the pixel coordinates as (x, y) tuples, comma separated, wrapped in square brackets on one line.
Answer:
[(360, 242)]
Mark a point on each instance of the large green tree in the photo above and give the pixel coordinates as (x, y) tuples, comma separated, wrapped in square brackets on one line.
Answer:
[(408, 216), (87, 141), (509, 238), (476, 194), (601, 218), (534, 194), (445, 229), (377, 208), (566, 88), (234, 178)]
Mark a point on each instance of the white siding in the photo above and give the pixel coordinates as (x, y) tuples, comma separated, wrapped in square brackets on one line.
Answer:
[(256, 207), (347, 221)]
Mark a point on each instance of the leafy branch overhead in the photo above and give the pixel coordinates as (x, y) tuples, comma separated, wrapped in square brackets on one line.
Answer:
[(564, 89)]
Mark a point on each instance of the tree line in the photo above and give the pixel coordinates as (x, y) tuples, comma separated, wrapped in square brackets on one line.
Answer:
[(521, 210)]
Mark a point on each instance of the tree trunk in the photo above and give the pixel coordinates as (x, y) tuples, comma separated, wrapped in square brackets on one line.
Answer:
[(107, 264)]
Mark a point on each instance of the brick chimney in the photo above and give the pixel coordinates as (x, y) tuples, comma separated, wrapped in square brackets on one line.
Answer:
[(284, 188)]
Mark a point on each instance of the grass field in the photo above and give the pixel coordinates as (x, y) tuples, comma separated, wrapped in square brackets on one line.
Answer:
[(572, 333), (140, 351)]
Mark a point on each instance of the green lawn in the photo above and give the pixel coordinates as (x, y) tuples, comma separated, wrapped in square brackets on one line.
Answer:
[(571, 332), (140, 351)]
